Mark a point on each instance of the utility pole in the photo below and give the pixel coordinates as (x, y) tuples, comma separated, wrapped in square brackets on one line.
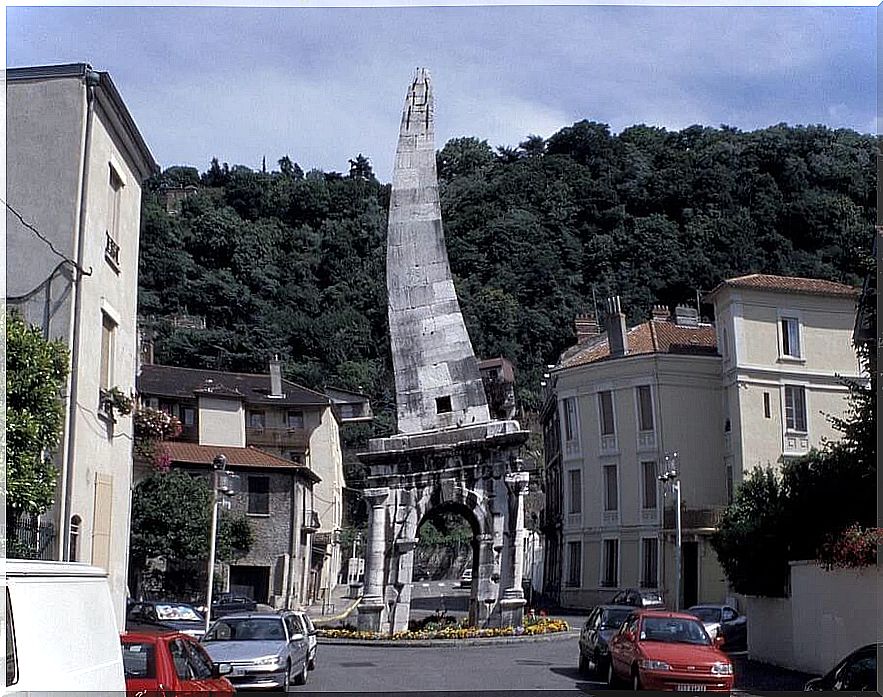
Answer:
[(219, 464), (671, 474)]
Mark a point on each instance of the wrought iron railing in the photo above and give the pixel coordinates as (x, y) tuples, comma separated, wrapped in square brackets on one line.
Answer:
[(111, 250), (27, 538)]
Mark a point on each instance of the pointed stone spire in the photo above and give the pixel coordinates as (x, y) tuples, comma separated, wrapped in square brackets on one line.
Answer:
[(437, 380)]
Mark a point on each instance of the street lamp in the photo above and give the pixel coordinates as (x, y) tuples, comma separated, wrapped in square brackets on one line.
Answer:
[(671, 474), (219, 464)]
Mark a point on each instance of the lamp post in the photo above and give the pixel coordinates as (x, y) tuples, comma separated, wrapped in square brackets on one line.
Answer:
[(219, 464), (671, 474)]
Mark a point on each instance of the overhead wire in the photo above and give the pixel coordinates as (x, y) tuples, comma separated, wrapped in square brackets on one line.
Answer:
[(45, 239)]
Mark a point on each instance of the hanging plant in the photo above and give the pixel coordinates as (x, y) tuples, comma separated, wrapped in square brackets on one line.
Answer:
[(115, 401)]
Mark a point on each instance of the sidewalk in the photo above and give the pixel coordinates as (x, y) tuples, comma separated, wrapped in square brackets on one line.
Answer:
[(338, 608)]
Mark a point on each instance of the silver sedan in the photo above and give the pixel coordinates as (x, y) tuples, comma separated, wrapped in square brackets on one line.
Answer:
[(266, 650)]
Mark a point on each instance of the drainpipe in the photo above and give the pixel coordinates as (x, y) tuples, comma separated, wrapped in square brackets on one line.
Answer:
[(91, 79)]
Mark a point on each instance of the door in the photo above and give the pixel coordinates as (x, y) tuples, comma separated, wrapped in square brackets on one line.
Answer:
[(140, 665), (691, 573)]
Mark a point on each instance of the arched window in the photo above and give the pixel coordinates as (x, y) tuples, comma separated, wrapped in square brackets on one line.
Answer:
[(74, 537)]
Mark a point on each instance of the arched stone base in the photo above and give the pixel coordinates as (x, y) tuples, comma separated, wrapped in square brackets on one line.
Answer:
[(476, 470)]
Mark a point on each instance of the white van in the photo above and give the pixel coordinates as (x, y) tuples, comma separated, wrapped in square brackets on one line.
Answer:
[(61, 633)]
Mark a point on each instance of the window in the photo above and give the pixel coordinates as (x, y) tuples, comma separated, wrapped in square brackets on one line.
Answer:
[(574, 567), (139, 660), (11, 657), (112, 234), (259, 495), (188, 416), (200, 663), (295, 419), (569, 419), (76, 521), (605, 407), (108, 336), (795, 408), (766, 405), (610, 561), (729, 614), (649, 473), (179, 659), (611, 488), (257, 419), (790, 337), (576, 491), (649, 562), (730, 482), (645, 408)]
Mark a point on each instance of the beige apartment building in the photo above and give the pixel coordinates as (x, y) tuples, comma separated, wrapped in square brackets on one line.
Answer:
[(284, 442), (756, 387), (75, 166), (786, 346)]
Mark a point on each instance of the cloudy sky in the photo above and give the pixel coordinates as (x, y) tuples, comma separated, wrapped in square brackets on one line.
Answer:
[(324, 84)]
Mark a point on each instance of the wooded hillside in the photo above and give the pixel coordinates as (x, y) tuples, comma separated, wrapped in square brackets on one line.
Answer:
[(288, 263)]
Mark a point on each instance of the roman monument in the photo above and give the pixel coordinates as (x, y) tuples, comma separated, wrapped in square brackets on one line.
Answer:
[(448, 455)]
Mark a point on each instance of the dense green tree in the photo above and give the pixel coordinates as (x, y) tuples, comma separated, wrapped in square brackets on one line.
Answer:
[(36, 371)]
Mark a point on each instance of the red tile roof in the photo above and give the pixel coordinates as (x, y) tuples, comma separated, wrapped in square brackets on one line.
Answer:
[(194, 453), (789, 284), (650, 337)]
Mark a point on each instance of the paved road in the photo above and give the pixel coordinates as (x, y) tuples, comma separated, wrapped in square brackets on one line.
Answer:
[(546, 666)]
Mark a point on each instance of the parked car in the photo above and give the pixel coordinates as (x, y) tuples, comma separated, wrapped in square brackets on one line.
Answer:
[(166, 614), (61, 634), (658, 650), (228, 603), (155, 661), (725, 621), (466, 578), (594, 650), (309, 631), (647, 599), (858, 672), (266, 650)]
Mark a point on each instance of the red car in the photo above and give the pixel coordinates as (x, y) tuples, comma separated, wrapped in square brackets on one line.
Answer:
[(658, 650), (170, 663)]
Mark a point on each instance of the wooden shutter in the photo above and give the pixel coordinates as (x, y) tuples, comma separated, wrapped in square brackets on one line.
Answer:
[(101, 520)]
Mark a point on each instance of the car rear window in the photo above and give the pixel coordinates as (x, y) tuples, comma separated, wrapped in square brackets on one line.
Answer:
[(139, 660)]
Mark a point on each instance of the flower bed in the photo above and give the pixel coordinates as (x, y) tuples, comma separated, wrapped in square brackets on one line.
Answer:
[(541, 626)]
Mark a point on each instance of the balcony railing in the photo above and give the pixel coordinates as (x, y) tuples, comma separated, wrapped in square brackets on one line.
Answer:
[(112, 251), (694, 518), (276, 436)]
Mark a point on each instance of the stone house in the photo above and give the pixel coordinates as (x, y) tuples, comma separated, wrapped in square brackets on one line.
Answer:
[(749, 390), (75, 164), (285, 440)]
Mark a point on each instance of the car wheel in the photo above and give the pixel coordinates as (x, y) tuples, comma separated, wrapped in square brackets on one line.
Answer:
[(311, 664), (636, 680), (287, 680), (583, 664), (301, 678)]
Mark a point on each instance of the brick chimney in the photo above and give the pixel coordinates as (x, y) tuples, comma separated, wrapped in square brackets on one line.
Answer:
[(660, 313), (617, 338), (276, 378), (586, 326)]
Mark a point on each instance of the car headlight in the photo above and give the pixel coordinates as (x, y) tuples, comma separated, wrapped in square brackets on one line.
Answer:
[(654, 665), (266, 661), (722, 669)]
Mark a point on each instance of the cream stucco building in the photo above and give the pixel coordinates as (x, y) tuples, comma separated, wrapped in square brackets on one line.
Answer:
[(75, 165), (756, 387)]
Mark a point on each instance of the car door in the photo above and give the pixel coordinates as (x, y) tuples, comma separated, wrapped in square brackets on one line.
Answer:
[(733, 627), (586, 636), (140, 665), (297, 649), (203, 671), (189, 673)]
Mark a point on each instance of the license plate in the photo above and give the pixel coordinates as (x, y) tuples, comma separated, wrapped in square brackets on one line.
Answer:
[(690, 688)]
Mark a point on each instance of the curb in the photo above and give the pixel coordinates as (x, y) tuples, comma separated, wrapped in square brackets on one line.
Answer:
[(319, 621), (453, 643)]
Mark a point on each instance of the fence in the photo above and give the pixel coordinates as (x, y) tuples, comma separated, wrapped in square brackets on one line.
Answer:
[(27, 538)]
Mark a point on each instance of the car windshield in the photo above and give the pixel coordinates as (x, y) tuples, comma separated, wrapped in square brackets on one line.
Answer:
[(706, 614), (674, 630), (247, 629), (177, 612), (613, 619)]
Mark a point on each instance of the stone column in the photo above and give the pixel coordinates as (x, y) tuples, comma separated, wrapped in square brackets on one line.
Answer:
[(371, 609), (513, 602)]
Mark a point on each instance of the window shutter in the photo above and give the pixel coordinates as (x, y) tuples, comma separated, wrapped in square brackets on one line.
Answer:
[(101, 520)]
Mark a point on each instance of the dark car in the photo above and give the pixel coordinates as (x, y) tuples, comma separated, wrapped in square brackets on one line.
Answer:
[(594, 651), (228, 603), (166, 614), (644, 599), (858, 672), (724, 621)]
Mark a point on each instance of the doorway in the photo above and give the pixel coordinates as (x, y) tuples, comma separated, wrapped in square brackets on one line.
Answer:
[(691, 573), (251, 581)]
